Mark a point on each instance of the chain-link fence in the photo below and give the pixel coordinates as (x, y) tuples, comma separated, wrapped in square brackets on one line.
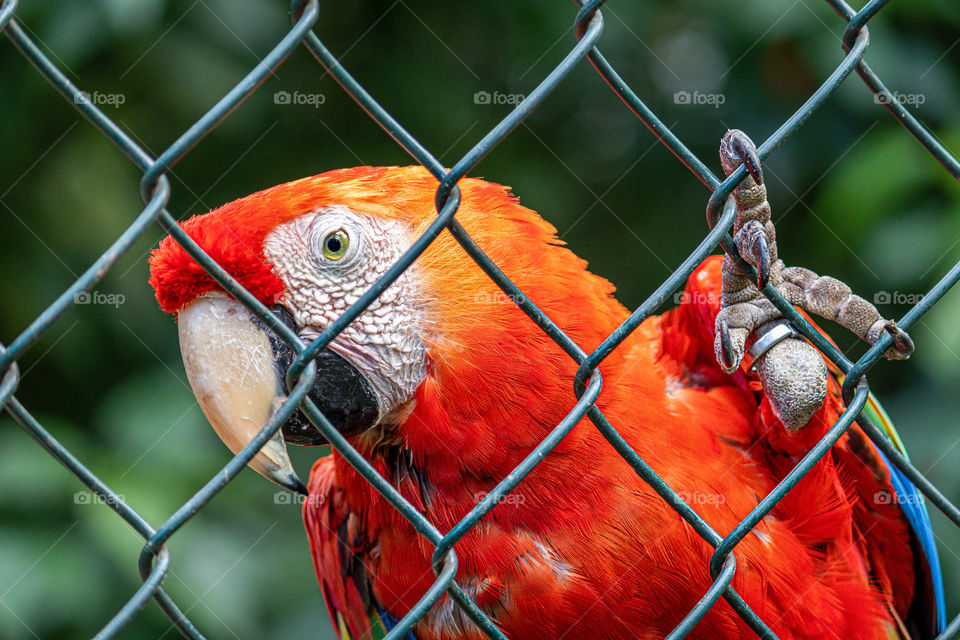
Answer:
[(155, 559)]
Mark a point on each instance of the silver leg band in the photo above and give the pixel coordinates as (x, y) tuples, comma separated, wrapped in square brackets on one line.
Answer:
[(764, 343)]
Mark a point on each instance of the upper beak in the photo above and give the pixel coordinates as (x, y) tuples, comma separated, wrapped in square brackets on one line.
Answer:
[(237, 372), (229, 364)]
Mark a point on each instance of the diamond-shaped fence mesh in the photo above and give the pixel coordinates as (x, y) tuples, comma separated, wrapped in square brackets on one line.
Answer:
[(155, 558)]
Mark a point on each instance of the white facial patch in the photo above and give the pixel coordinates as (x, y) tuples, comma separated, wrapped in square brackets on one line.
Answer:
[(327, 259)]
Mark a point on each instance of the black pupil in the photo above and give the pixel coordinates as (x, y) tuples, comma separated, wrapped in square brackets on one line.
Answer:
[(333, 244)]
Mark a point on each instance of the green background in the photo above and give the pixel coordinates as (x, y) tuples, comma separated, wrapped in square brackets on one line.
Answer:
[(853, 194)]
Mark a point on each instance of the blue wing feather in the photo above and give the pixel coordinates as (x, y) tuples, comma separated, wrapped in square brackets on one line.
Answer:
[(915, 509), (389, 622), (913, 505)]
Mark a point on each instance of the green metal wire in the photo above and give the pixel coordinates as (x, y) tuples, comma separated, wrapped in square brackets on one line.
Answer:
[(154, 560)]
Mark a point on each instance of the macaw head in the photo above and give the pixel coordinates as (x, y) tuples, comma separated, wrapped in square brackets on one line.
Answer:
[(308, 249)]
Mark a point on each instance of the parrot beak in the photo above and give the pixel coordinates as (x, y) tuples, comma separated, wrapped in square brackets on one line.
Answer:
[(237, 370), (229, 364)]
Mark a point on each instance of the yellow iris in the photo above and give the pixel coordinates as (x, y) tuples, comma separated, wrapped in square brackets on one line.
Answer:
[(335, 245)]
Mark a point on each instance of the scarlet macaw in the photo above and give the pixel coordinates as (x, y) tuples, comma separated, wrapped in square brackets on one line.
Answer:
[(445, 386)]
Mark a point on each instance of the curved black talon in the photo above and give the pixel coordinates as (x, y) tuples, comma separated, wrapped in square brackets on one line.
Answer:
[(901, 341), (763, 269), (752, 244), (729, 362), (741, 146), (761, 260)]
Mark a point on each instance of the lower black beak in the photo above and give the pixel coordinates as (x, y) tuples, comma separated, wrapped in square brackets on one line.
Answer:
[(341, 393)]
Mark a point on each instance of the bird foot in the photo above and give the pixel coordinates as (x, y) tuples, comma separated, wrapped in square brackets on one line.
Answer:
[(792, 372)]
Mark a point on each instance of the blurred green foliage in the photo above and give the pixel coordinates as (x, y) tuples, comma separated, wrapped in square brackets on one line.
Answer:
[(853, 194)]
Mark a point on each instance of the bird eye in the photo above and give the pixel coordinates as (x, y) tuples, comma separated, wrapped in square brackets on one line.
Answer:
[(335, 244)]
